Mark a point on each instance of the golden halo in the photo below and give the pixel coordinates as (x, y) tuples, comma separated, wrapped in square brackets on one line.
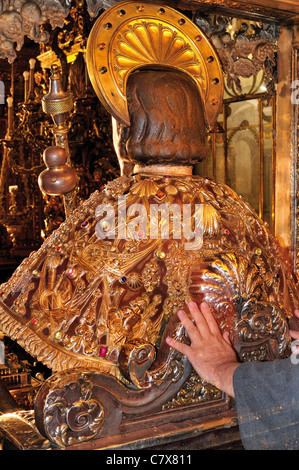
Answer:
[(131, 35)]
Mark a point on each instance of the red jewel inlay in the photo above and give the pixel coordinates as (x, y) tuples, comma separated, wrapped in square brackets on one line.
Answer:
[(160, 195), (103, 351)]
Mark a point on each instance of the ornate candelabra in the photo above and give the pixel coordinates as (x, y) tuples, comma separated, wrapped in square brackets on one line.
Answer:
[(25, 140)]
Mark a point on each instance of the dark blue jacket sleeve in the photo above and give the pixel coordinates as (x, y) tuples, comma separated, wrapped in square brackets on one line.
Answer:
[(267, 400)]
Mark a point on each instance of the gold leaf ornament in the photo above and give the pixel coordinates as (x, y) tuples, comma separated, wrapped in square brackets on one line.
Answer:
[(171, 190), (211, 220), (146, 187)]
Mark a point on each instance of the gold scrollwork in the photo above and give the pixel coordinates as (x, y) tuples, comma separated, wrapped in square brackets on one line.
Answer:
[(72, 415), (194, 391)]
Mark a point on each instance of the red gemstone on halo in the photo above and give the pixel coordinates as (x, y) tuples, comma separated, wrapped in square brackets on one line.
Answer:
[(34, 321)]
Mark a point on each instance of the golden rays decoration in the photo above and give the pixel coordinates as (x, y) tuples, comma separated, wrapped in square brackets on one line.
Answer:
[(130, 36)]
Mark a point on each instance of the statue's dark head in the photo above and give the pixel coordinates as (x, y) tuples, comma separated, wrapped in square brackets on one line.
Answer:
[(167, 119)]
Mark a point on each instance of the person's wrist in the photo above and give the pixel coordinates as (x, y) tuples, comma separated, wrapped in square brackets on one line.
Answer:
[(224, 373)]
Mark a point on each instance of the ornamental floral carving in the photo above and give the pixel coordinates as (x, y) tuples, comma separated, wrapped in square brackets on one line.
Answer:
[(194, 392), (243, 54)]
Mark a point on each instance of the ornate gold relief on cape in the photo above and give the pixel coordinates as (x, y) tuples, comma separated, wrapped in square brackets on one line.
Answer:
[(84, 301)]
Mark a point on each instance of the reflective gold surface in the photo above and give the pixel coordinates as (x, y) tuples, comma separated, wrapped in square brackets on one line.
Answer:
[(96, 306), (80, 299), (130, 36), (93, 297)]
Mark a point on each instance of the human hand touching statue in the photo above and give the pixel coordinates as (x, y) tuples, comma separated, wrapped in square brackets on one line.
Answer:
[(210, 353)]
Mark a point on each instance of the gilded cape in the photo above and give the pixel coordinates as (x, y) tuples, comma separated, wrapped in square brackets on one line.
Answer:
[(85, 300)]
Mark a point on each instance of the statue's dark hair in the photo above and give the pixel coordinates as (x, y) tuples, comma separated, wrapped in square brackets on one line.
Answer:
[(167, 119)]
